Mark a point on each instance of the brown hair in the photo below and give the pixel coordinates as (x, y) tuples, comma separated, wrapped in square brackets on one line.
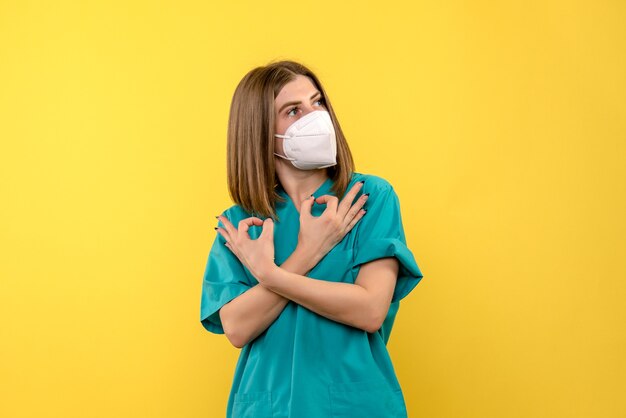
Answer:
[(250, 168)]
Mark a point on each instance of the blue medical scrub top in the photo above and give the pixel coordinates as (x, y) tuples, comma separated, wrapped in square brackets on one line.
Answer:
[(305, 365)]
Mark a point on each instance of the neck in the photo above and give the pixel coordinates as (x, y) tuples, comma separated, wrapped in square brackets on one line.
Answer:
[(299, 184)]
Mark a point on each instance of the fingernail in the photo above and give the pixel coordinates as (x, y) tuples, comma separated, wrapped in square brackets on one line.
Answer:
[(365, 212), (362, 181), (366, 194)]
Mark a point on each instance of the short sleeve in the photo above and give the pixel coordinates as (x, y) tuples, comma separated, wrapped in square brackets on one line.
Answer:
[(224, 279), (381, 234)]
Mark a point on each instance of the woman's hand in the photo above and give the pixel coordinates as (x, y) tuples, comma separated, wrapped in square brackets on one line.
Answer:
[(256, 255), (318, 235)]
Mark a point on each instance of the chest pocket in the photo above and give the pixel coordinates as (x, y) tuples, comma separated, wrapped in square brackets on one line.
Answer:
[(336, 266)]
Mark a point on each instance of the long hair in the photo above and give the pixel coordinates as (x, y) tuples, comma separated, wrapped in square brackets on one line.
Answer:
[(251, 171)]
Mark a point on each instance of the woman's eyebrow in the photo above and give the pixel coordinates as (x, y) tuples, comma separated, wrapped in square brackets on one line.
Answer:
[(294, 103)]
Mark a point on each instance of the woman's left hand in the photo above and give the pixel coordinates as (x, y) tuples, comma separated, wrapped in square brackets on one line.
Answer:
[(258, 254)]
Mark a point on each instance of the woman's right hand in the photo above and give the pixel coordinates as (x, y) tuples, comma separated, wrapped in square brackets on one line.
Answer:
[(319, 234), (256, 254)]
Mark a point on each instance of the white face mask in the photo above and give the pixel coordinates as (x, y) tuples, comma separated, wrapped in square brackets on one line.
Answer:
[(310, 142)]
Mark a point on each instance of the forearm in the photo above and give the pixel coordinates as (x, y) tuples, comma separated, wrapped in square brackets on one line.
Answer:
[(248, 315), (347, 303)]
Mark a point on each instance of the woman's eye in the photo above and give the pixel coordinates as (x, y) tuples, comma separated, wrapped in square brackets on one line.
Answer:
[(320, 101)]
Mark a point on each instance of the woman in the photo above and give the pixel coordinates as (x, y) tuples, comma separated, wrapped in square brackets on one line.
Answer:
[(311, 292)]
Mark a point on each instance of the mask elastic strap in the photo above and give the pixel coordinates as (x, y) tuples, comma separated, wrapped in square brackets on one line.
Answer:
[(286, 158)]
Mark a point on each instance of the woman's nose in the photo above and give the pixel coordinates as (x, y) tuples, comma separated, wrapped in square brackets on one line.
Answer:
[(306, 109)]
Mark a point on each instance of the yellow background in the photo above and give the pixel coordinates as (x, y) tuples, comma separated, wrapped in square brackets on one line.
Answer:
[(500, 124)]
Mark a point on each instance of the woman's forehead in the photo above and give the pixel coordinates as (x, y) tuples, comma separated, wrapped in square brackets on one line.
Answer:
[(301, 86)]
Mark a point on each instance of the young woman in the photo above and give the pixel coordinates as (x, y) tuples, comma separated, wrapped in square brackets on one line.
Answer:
[(298, 277)]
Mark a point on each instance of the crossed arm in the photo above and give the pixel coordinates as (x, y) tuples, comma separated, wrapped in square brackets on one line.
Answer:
[(363, 304)]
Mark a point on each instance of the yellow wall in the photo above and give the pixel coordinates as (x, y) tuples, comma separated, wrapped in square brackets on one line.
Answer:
[(501, 126)]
